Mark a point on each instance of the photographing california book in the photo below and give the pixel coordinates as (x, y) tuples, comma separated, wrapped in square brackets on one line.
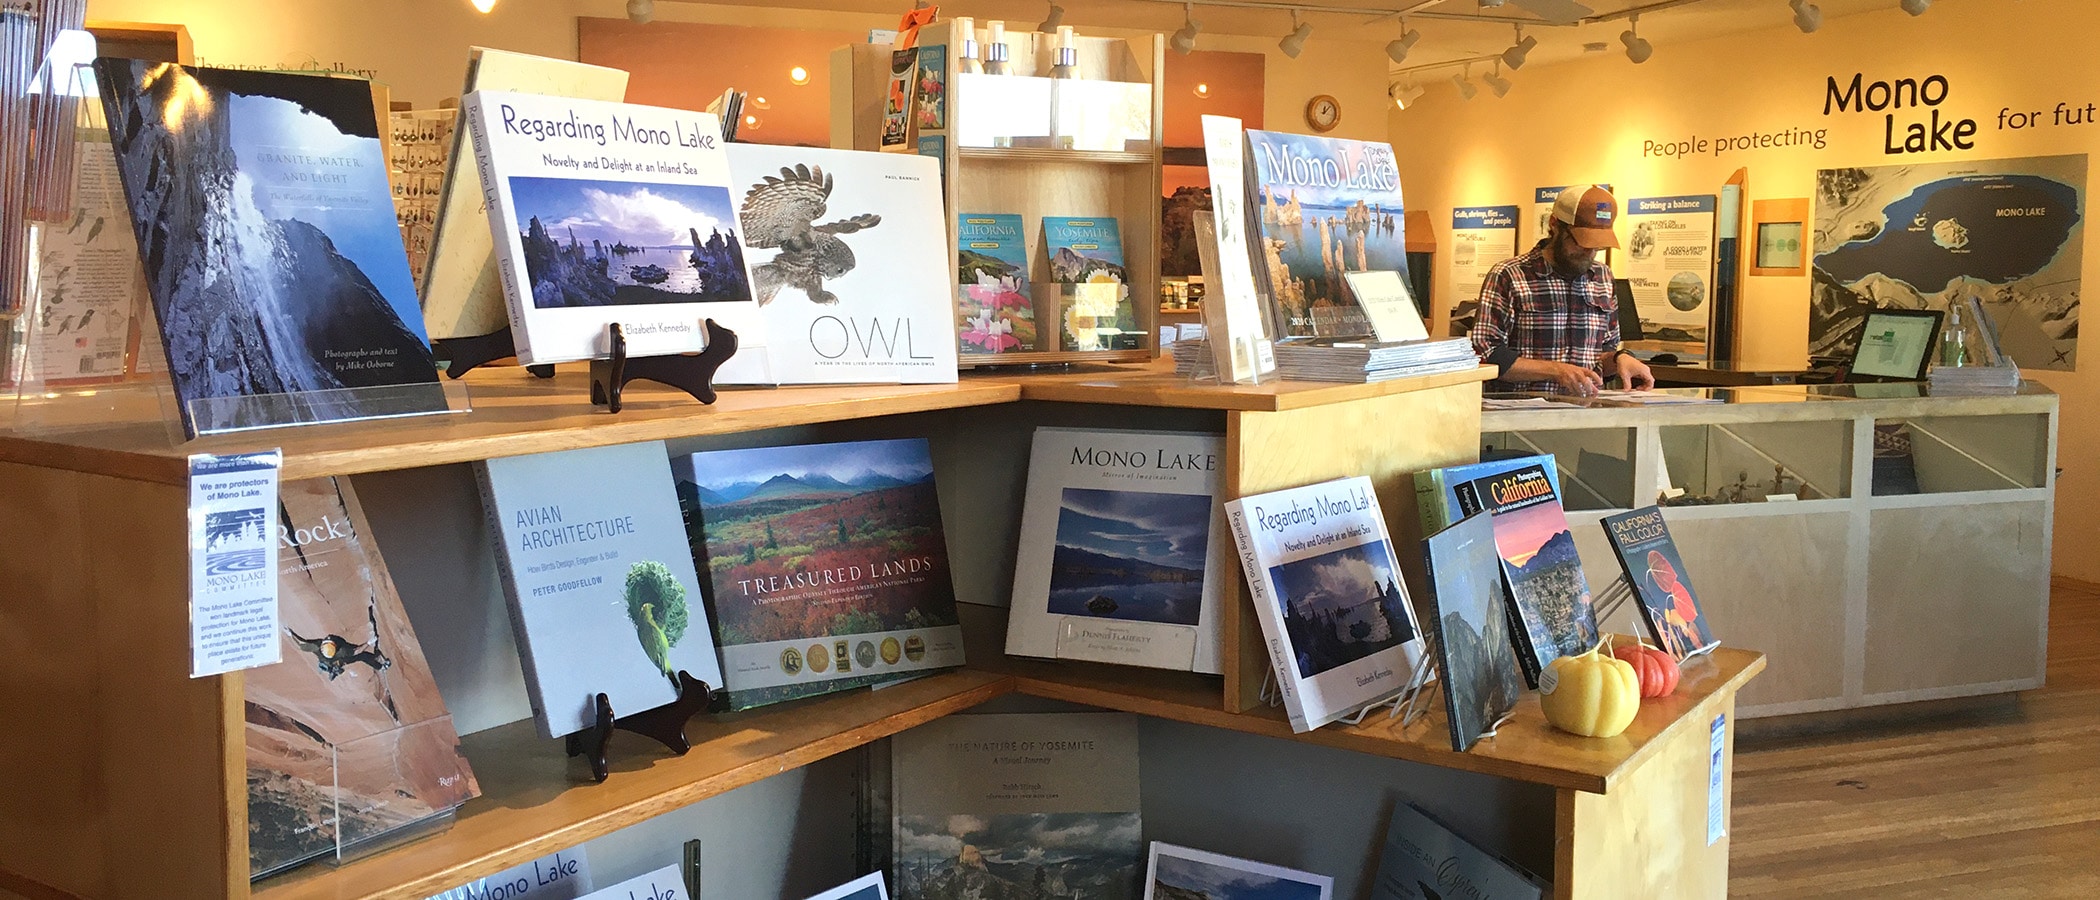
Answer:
[(271, 250), (1425, 860), (1656, 572), (610, 213), (347, 738), (994, 312), (1326, 587), (1540, 566), (848, 259), (1009, 805), (1436, 490), (825, 565), (1122, 555), (1326, 207), (1473, 653), (594, 562)]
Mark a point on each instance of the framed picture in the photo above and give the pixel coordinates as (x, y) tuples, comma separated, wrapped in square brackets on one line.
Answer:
[(1779, 231), (1179, 872)]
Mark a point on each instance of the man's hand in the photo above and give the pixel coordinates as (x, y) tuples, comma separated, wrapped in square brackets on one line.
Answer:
[(1571, 379), (1634, 372)]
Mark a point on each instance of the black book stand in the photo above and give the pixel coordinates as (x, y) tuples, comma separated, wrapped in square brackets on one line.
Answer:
[(693, 373), (465, 354), (665, 724)]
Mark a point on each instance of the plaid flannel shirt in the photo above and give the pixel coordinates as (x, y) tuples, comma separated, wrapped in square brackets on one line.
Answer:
[(1528, 310)]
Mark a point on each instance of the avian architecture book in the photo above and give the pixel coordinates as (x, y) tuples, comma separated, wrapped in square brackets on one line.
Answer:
[(603, 597), (1470, 617), (271, 251), (1425, 860), (611, 213), (1540, 565), (462, 288), (1012, 805), (825, 565), (1327, 590), (847, 253), (1122, 555), (347, 737), (1325, 207), (1656, 572), (995, 312)]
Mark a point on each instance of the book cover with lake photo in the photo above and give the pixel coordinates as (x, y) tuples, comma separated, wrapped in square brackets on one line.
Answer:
[(825, 565), (1324, 207), (1540, 565)]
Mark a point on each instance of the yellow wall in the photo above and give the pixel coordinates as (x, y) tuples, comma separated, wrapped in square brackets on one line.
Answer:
[(1587, 120)]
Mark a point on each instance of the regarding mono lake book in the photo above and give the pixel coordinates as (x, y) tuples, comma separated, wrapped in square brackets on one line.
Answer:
[(1327, 590), (603, 597), (1656, 572), (847, 257), (273, 258), (1540, 565), (347, 737), (1008, 805), (825, 565), (1123, 555), (610, 213)]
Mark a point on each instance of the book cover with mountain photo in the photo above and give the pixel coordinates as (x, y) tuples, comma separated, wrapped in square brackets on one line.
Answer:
[(825, 565), (995, 312), (1324, 207), (610, 213), (963, 830), (1122, 558), (347, 738), (1087, 255), (847, 253), (1470, 613), (267, 229), (603, 599), (1540, 566)]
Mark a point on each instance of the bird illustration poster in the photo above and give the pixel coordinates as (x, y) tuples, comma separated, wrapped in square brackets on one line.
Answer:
[(849, 264), (354, 689), (1657, 574), (613, 213), (88, 280), (602, 591)]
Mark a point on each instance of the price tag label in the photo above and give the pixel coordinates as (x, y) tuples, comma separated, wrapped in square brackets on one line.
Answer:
[(233, 562), (1716, 787)]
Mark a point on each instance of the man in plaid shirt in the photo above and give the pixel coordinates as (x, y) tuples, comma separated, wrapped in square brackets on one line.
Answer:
[(1548, 320)]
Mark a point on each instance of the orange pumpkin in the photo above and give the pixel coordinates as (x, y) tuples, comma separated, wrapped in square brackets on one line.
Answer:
[(1657, 670)]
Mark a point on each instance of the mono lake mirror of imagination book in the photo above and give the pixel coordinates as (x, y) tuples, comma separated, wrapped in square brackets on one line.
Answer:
[(1327, 589), (271, 249), (602, 594), (1123, 555), (825, 565)]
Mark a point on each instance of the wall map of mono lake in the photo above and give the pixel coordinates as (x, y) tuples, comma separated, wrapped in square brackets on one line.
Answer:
[(2008, 232)]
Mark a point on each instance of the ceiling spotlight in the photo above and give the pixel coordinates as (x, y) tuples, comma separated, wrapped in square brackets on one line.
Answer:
[(1807, 16), (1466, 90), (1490, 4), (1054, 19), (1496, 82), (1404, 95), (1916, 7), (1514, 56), (641, 11), (1637, 48), (483, 6), (1203, 90), (1396, 49), (1294, 43), (798, 76), (1184, 41)]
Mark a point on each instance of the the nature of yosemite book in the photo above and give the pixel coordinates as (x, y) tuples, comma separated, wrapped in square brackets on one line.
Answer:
[(994, 311), (1017, 806), (1436, 490), (266, 226), (1656, 572), (1324, 207), (1123, 554), (824, 565), (462, 290), (1086, 254), (1425, 860), (1326, 587), (347, 738), (1540, 566), (847, 253), (606, 213), (594, 562), (1470, 617)]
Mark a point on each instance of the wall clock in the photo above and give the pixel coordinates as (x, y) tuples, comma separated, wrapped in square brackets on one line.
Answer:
[(1323, 113)]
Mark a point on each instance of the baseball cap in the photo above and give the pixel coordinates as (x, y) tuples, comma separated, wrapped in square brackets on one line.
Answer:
[(1591, 211)]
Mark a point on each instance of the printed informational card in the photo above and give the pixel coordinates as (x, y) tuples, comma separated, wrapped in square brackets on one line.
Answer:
[(1717, 780), (233, 562), (1387, 305), (662, 884), (1481, 236), (1669, 264)]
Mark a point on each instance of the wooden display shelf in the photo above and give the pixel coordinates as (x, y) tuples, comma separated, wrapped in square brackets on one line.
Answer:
[(1157, 385), (1048, 155), (533, 802)]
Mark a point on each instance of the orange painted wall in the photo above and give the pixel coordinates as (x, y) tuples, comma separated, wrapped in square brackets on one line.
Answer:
[(686, 65)]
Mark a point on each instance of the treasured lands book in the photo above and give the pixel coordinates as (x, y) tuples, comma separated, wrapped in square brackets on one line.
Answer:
[(610, 213), (1470, 618), (602, 593), (1327, 590), (347, 738), (825, 566), (1123, 553), (1424, 860), (1656, 572), (1010, 805), (272, 255), (1540, 565)]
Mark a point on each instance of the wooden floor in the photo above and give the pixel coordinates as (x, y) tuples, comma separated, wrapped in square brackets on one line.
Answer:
[(2001, 804)]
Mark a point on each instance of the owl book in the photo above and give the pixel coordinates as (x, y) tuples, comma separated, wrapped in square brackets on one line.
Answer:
[(603, 597), (847, 254)]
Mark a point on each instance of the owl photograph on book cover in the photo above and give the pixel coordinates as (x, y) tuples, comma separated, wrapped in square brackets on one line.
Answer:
[(789, 213)]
